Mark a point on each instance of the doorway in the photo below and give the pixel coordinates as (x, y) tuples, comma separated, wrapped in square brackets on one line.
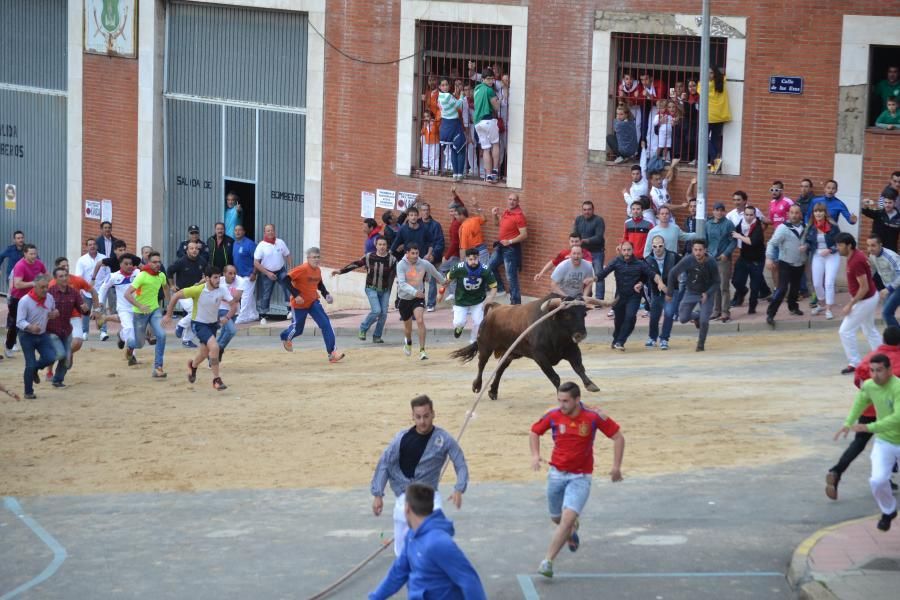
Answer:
[(247, 194)]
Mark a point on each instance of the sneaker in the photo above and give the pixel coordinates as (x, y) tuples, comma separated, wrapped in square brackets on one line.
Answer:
[(8, 353), (158, 373), (361, 335), (649, 343), (717, 166), (829, 315), (816, 310), (696, 323), (407, 349), (104, 336), (449, 298), (30, 397), (192, 372), (797, 312), (726, 317), (15, 348), (699, 348), (663, 344), (377, 340), (831, 484), (501, 293), (457, 332), (546, 569), (59, 384), (429, 309), (422, 355), (619, 160), (189, 344), (618, 347), (574, 541), (848, 370), (610, 314), (288, 345), (770, 321), (262, 321), (179, 331), (335, 357), (36, 378), (884, 523), (121, 344), (645, 314), (132, 360), (151, 341), (218, 384)]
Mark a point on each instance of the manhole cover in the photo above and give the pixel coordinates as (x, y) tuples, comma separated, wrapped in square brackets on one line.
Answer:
[(882, 564)]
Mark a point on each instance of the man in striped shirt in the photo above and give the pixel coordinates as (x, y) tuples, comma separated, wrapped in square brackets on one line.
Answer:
[(886, 269), (381, 268)]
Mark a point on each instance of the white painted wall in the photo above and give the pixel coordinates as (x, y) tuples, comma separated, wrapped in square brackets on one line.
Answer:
[(74, 127)]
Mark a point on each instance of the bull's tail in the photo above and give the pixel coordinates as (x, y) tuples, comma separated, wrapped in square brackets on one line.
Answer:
[(467, 353)]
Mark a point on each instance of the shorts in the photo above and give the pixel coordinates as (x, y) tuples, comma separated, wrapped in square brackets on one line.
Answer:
[(204, 331), (406, 307), (567, 490), (488, 133), (77, 330)]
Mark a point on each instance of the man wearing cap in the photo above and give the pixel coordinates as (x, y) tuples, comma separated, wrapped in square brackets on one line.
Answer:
[(186, 272), (720, 244), (193, 236)]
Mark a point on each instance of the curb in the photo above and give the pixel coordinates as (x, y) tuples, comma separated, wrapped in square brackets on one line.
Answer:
[(800, 576)]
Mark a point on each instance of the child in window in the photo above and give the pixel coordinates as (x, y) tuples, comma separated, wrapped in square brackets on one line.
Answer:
[(665, 122), (890, 118), (623, 142), (431, 143), (630, 93)]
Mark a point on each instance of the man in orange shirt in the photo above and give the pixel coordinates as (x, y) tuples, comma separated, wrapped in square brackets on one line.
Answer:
[(508, 248), (305, 282), (82, 285), (470, 235)]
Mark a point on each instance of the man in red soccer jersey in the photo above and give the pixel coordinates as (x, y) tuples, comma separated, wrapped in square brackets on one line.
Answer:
[(571, 464)]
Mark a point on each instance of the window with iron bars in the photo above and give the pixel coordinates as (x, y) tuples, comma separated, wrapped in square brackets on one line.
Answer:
[(655, 81), (459, 52)]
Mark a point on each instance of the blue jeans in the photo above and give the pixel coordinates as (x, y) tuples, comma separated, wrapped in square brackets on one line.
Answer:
[(268, 285), (688, 310), (47, 346), (227, 331), (62, 366), (320, 317), (379, 302), (890, 307), (86, 319), (154, 320), (567, 490), (715, 132), (658, 307), (432, 285), (625, 310), (597, 259), (452, 135), (511, 257)]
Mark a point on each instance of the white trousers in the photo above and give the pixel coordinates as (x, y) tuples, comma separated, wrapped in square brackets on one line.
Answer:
[(472, 152), (862, 316), (77, 331), (400, 524), (248, 303), (824, 272), (884, 455), (187, 305), (431, 154), (126, 324), (461, 313)]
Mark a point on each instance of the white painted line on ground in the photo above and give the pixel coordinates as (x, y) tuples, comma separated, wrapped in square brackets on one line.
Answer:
[(59, 553)]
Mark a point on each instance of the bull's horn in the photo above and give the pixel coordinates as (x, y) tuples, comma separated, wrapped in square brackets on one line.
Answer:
[(600, 303), (550, 304)]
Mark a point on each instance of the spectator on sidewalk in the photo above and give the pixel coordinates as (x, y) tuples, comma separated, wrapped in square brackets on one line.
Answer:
[(513, 230), (434, 251), (244, 249), (670, 232), (821, 244), (886, 220), (750, 262), (834, 206), (372, 230), (13, 253), (470, 234), (639, 188), (784, 254), (637, 227), (106, 242), (736, 216), (193, 237), (574, 240), (272, 259), (233, 213), (221, 248), (720, 244), (592, 229)]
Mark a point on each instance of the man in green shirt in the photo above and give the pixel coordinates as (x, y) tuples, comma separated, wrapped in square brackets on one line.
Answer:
[(889, 87), (486, 104), (143, 294), (475, 285), (882, 390)]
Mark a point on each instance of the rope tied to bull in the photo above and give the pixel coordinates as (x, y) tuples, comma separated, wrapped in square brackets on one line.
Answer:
[(563, 304)]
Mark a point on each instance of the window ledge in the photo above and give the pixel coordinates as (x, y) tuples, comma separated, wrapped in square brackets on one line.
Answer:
[(449, 179), (880, 131)]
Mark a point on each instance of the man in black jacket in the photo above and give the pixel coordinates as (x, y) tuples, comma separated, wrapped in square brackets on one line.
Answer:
[(750, 263), (886, 221), (193, 236), (700, 285), (662, 262), (592, 229), (106, 243), (185, 272), (221, 248)]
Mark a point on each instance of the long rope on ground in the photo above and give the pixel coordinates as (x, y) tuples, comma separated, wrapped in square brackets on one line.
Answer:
[(563, 305)]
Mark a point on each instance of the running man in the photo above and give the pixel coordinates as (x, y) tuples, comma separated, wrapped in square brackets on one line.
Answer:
[(411, 273), (236, 286), (119, 281), (86, 288), (143, 295), (883, 390), (475, 287), (205, 320), (417, 455), (571, 464), (381, 268), (305, 283), (699, 289)]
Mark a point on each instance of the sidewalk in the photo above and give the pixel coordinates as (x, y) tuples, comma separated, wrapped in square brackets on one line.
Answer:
[(848, 561), (346, 322)]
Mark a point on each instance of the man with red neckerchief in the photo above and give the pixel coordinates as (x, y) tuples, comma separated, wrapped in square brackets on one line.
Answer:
[(569, 480), (35, 309), (68, 301)]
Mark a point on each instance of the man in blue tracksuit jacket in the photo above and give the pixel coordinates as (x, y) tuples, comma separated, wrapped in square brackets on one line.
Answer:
[(431, 565)]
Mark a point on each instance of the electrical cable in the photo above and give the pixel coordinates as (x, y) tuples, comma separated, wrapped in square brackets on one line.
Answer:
[(363, 60)]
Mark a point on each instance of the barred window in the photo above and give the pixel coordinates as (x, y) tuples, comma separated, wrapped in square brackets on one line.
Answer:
[(458, 52), (655, 82)]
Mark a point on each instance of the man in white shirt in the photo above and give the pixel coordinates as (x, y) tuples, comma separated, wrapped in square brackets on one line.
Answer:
[(119, 281), (736, 216), (84, 268), (236, 286), (272, 259)]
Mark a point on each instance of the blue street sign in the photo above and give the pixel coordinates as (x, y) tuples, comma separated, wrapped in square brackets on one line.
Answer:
[(780, 84)]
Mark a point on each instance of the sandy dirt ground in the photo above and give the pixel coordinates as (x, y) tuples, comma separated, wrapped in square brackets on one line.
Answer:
[(292, 420)]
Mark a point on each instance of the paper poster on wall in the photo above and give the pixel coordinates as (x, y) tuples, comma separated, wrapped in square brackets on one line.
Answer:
[(92, 209), (367, 210), (106, 210), (9, 196), (385, 199), (405, 200), (110, 27)]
